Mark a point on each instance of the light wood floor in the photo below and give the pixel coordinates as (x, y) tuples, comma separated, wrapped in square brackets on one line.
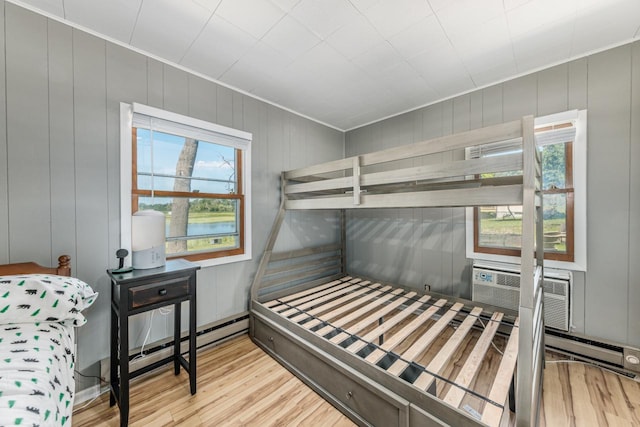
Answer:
[(239, 384)]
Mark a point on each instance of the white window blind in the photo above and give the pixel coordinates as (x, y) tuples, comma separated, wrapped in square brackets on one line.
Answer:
[(164, 121)]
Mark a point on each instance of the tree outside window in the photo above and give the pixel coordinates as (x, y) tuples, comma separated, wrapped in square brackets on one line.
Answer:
[(197, 184)]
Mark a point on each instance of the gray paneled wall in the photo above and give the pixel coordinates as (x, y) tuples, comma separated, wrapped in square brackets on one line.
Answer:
[(634, 201), (4, 178), (421, 246), (59, 160), (59, 171)]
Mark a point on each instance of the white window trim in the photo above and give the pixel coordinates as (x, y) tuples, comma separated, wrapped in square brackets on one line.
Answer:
[(579, 199), (240, 140)]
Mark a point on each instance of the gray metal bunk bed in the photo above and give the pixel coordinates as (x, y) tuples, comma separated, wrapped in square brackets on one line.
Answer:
[(380, 353)]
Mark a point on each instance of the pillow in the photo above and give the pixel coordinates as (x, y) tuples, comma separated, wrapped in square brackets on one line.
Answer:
[(30, 298)]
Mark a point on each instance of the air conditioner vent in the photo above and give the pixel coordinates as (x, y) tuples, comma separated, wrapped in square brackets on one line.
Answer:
[(508, 280), (555, 287)]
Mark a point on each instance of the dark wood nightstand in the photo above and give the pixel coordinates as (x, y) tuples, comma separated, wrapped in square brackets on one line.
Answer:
[(143, 290)]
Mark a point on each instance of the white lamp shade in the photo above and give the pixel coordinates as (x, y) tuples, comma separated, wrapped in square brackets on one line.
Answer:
[(148, 239)]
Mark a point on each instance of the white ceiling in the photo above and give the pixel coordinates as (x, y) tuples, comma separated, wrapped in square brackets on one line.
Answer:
[(350, 62)]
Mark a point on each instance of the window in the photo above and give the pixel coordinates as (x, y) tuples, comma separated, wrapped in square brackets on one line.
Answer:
[(497, 230), (196, 174)]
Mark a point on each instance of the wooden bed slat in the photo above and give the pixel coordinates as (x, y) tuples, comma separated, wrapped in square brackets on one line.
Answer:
[(470, 369), (492, 414), (425, 340), (327, 302), (374, 317), (359, 312), (301, 294), (403, 333), (300, 302), (362, 299), (321, 298), (436, 365), (390, 323)]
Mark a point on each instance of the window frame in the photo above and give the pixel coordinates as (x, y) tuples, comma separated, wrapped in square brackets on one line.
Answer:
[(575, 258), (239, 140), (568, 191)]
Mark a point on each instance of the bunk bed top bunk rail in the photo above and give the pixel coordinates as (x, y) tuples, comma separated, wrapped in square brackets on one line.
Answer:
[(357, 182)]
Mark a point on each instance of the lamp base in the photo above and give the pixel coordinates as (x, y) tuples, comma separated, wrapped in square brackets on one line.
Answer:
[(148, 258)]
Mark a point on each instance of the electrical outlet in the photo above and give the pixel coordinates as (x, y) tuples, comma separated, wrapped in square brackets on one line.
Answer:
[(427, 287)]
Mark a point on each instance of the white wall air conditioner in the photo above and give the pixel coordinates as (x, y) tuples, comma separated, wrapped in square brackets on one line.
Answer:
[(499, 284)]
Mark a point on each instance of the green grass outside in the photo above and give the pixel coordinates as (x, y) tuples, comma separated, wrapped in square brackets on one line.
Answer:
[(514, 226), (498, 227), (208, 217), (202, 244)]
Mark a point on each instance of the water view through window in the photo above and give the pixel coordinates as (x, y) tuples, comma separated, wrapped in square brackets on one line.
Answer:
[(194, 183)]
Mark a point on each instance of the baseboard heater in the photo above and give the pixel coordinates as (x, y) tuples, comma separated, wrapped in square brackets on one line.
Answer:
[(216, 332), (622, 359), (212, 333)]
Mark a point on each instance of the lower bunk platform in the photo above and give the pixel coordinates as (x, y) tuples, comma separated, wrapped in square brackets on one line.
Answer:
[(387, 356)]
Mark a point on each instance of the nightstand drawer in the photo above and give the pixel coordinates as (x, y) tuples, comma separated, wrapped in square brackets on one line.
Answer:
[(140, 296)]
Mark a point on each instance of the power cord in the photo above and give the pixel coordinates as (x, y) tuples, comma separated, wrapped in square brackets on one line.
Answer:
[(80, 408), (102, 380), (164, 311), (146, 339), (492, 343)]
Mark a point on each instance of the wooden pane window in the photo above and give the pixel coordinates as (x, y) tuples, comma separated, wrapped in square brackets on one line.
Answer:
[(498, 229), (198, 186)]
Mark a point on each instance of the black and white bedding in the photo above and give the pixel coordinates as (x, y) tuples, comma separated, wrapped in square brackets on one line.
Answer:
[(38, 314)]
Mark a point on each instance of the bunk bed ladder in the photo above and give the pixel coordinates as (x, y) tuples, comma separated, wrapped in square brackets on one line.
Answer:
[(531, 329), (271, 241)]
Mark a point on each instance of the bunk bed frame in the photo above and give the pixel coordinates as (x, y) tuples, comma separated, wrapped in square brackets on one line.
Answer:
[(340, 334)]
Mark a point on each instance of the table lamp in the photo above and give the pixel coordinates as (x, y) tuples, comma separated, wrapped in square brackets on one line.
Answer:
[(148, 239)]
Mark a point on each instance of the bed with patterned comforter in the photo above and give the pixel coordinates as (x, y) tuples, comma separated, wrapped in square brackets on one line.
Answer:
[(38, 314)]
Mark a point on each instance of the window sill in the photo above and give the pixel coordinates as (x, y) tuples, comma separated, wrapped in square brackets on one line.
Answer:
[(223, 260), (561, 265)]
